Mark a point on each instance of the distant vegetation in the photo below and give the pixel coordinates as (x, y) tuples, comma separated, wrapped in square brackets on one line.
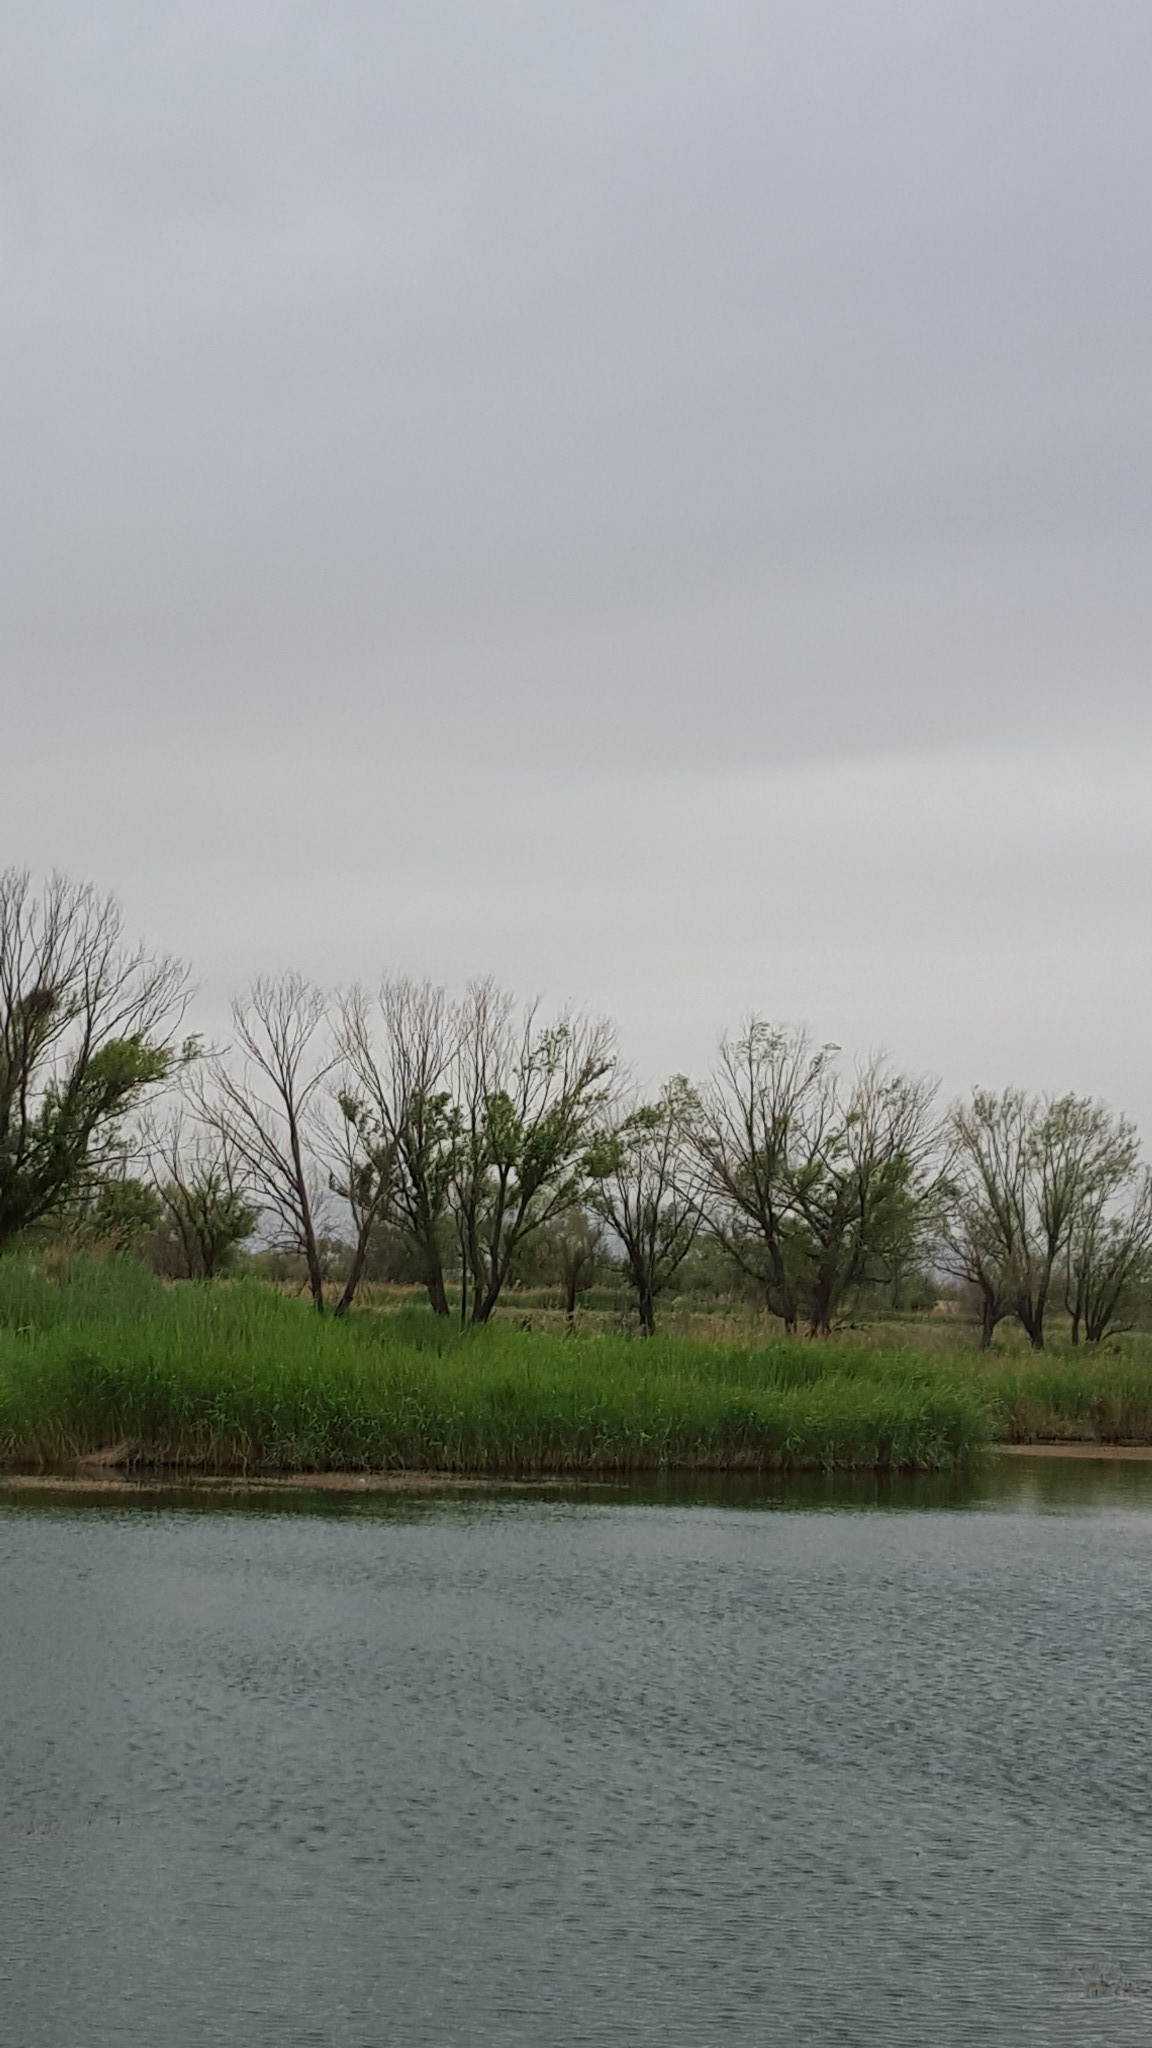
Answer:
[(489, 1155)]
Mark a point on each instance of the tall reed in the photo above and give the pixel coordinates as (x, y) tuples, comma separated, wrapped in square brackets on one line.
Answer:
[(236, 1377)]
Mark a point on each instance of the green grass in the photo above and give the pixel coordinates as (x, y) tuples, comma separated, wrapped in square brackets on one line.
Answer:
[(238, 1378), (1070, 1396)]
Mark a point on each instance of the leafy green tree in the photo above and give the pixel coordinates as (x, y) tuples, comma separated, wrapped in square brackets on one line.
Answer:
[(362, 1172), (121, 1215), (749, 1126), (205, 1213), (86, 1027), (530, 1099), (856, 1198)]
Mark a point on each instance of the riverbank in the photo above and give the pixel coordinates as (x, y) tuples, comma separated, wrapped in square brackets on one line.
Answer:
[(109, 1369)]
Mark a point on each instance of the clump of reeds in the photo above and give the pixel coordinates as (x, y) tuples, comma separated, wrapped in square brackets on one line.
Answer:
[(1076, 1396), (228, 1378)]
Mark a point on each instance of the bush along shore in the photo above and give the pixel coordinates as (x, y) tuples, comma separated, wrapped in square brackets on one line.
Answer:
[(237, 1379)]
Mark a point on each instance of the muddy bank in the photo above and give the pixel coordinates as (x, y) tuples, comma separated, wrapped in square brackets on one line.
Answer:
[(104, 1480), (1075, 1450)]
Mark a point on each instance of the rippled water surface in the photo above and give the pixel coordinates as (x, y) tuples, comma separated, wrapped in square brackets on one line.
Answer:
[(809, 1766)]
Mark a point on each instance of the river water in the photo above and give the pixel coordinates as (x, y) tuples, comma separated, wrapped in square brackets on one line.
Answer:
[(819, 1764)]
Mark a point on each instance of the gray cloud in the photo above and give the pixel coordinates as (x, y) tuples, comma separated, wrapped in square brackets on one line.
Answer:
[(374, 348), (504, 398)]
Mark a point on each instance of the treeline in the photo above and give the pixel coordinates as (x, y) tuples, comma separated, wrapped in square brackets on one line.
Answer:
[(471, 1143)]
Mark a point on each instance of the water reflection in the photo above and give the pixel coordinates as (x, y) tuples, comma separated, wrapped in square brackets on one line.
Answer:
[(1027, 1484)]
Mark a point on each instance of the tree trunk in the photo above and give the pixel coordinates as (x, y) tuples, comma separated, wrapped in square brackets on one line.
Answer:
[(355, 1273), (437, 1292), (646, 1310), (311, 1249), (1032, 1318), (820, 1311), (483, 1305)]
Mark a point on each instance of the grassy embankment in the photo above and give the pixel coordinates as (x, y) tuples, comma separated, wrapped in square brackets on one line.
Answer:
[(237, 1378), (233, 1378)]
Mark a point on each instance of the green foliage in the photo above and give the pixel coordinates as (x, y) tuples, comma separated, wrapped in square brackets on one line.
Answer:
[(71, 1137), (204, 1221), (84, 1032), (121, 1216), (235, 1377), (816, 1187), (1105, 1397)]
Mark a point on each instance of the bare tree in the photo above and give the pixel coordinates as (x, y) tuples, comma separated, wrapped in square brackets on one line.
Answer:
[(361, 1158), (205, 1209), (529, 1097), (809, 1190), (1109, 1262), (401, 1051), (86, 1029), (645, 1185), (261, 1103), (1028, 1171), (862, 1184), (748, 1126), (969, 1248), (574, 1242)]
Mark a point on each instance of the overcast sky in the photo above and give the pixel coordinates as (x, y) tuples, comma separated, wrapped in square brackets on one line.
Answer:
[(650, 499)]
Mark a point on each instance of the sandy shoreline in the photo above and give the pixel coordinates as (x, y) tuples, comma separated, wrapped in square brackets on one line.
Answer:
[(1066, 1450), (101, 1478)]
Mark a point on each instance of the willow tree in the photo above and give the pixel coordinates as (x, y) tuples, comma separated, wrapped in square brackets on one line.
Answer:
[(530, 1097), (87, 1024), (813, 1185), (262, 1099), (1109, 1260), (400, 1051), (1030, 1174), (645, 1185), (204, 1211)]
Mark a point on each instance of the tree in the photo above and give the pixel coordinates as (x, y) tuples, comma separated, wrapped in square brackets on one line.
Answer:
[(1109, 1261), (645, 1187), (400, 1052), (1028, 1173), (86, 1030), (205, 1211), (860, 1191), (969, 1248), (261, 1106), (745, 1127), (120, 1215), (572, 1245), (362, 1161), (810, 1190), (529, 1098)]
